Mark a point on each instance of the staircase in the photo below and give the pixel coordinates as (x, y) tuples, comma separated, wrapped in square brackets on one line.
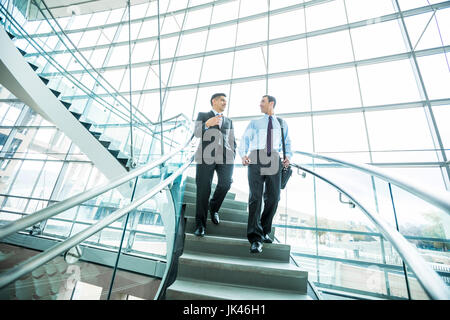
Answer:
[(22, 79), (220, 265)]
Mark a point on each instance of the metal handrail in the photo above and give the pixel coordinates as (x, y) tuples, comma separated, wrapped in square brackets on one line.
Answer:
[(438, 198), (42, 258), (79, 198), (433, 285)]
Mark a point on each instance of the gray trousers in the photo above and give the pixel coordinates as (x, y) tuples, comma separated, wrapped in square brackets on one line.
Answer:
[(261, 186)]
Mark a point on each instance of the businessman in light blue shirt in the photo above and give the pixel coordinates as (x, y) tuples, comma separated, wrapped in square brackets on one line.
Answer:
[(261, 150)]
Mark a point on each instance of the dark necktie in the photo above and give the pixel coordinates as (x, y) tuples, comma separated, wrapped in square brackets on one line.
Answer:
[(269, 137)]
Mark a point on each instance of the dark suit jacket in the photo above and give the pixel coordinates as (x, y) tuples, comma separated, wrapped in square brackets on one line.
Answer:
[(224, 147)]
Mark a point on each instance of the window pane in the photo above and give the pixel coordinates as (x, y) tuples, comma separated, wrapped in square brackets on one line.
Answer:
[(325, 15), (442, 114), (250, 62), (436, 75), (377, 40), (341, 132), (388, 130), (246, 98), (335, 89), (192, 43), (198, 18), (223, 37), (217, 67), (330, 49), (252, 31), (292, 93), (251, 7), (358, 10), (423, 32), (178, 101), (226, 11), (287, 56), (279, 22), (387, 83), (186, 71)]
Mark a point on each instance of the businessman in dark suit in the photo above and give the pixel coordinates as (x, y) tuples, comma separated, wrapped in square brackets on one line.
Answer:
[(216, 152)]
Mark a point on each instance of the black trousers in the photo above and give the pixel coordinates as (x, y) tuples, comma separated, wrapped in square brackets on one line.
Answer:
[(262, 177), (203, 178)]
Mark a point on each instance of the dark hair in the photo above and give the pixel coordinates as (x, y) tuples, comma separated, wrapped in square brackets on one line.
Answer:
[(271, 98), (215, 95)]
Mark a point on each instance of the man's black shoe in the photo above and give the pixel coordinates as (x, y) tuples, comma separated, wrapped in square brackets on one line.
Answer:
[(215, 217), (267, 239), (200, 232), (256, 247)]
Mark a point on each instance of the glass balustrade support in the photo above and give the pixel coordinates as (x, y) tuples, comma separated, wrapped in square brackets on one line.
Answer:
[(428, 278), (405, 272), (121, 241)]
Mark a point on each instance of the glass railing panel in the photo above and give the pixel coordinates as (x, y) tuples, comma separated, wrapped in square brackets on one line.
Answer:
[(337, 242), (59, 279), (416, 290), (426, 227), (144, 237)]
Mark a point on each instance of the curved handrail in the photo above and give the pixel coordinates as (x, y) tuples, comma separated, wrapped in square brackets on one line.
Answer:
[(433, 285), (42, 258), (79, 198), (438, 198)]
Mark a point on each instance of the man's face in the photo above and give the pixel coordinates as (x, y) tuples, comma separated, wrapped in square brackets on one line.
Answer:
[(219, 103), (264, 105)]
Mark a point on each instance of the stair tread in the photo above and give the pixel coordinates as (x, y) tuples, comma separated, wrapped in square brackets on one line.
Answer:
[(224, 223), (223, 208), (231, 241), (194, 195), (233, 292), (243, 263), (229, 195)]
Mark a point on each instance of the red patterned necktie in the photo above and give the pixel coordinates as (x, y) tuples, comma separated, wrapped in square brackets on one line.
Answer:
[(269, 137)]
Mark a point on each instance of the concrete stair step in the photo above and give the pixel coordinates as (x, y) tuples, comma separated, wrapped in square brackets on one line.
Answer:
[(192, 188), (190, 179), (242, 271), (225, 214), (228, 202), (234, 247), (220, 265), (193, 289), (223, 229)]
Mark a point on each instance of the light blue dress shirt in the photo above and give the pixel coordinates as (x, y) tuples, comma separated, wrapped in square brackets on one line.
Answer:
[(255, 136)]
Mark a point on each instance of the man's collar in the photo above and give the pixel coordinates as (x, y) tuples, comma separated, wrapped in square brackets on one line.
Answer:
[(215, 112)]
